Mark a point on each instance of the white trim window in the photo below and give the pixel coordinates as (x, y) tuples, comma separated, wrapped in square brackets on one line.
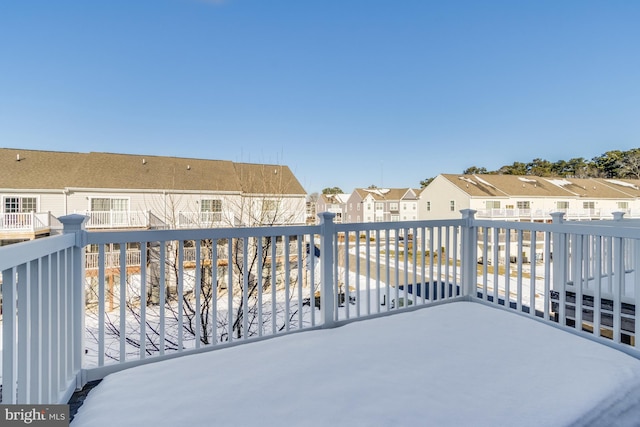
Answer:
[(108, 204), (211, 210), (269, 206), (108, 212), (18, 204), (270, 212)]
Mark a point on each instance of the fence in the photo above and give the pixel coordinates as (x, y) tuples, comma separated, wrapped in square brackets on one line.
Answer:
[(42, 318), (187, 291), (118, 219), (29, 221)]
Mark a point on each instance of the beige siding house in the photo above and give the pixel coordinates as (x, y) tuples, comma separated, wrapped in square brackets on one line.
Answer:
[(334, 203), (529, 198), (132, 191), (382, 204)]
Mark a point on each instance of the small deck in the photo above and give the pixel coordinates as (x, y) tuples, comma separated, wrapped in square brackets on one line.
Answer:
[(424, 367), (88, 318)]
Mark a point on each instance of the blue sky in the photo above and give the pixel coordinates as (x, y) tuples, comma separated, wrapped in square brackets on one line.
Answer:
[(347, 93)]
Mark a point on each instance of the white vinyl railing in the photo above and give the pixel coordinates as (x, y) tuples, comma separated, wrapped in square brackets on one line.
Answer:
[(42, 319), (200, 219), (118, 219), (539, 214), (189, 291), (112, 259), (28, 221)]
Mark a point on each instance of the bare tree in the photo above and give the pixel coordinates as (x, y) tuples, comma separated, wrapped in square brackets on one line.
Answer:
[(242, 274)]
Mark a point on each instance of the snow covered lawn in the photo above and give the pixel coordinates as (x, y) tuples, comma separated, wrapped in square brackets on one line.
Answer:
[(457, 364)]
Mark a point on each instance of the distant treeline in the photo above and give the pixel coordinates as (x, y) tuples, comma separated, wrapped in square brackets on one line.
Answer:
[(612, 164)]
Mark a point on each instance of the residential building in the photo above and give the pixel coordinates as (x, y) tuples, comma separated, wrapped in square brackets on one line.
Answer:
[(335, 203), (529, 198), (123, 191), (382, 204)]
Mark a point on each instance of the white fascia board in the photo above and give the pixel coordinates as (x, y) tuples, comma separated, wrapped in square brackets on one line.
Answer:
[(142, 191)]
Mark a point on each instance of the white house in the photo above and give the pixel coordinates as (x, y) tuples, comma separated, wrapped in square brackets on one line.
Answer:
[(121, 191), (529, 198), (382, 204)]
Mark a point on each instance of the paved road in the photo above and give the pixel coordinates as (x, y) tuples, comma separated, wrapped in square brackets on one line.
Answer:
[(373, 269)]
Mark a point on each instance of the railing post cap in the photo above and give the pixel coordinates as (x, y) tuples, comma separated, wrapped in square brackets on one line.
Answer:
[(327, 215), (618, 216), (558, 217), (72, 223), (72, 219), (468, 213)]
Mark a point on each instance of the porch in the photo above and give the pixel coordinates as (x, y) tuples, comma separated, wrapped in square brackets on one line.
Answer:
[(32, 225), (192, 291), (25, 226)]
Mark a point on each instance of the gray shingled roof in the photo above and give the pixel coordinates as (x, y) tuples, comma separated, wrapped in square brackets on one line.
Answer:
[(58, 170)]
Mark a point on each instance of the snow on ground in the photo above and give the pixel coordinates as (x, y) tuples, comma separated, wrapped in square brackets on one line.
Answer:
[(367, 301), (457, 364)]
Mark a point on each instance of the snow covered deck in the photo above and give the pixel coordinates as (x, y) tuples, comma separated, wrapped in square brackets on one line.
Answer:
[(455, 364)]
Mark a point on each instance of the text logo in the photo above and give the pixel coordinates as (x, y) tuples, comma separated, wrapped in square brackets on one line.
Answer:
[(34, 415)]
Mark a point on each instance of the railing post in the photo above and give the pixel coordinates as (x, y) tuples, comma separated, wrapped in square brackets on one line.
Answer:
[(469, 252), (327, 242), (618, 216), (559, 254), (75, 224)]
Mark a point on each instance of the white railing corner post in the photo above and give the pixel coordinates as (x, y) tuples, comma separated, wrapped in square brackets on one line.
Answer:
[(469, 252), (75, 224), (327, 242)]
